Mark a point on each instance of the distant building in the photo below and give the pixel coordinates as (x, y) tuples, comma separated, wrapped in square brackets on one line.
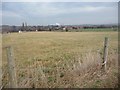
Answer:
[(20, 31)]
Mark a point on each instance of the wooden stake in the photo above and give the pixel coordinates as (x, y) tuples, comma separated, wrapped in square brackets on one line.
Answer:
[(105, 53), (11, 68)]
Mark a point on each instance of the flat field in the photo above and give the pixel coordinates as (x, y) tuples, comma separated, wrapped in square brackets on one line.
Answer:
[(62, 59)]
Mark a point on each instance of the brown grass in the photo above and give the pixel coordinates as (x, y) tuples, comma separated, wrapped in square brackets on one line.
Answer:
[(66, 59)]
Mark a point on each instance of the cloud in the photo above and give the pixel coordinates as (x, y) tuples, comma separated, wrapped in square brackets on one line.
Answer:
[(49, 12), (10, 14), (50, 9), (61, 1)]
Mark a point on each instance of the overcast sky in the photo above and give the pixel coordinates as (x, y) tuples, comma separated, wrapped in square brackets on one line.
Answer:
[(44, 13)]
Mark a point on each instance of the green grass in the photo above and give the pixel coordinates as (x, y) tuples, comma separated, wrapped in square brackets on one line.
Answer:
[(54, 52), (90, 30)]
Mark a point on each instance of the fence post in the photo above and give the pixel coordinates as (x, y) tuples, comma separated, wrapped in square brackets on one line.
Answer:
[(105, 53), (11, 68)]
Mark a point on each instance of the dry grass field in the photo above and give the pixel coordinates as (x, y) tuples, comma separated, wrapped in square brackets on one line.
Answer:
[(63, 59)]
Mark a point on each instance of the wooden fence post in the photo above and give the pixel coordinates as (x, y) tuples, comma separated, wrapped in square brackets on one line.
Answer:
[(105, 53), (11, 68)]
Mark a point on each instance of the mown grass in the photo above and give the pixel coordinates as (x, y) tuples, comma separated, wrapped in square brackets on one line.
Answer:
[(62, 59)]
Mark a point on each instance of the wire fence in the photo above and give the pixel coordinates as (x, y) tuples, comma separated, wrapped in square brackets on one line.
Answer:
[(13, 76)]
